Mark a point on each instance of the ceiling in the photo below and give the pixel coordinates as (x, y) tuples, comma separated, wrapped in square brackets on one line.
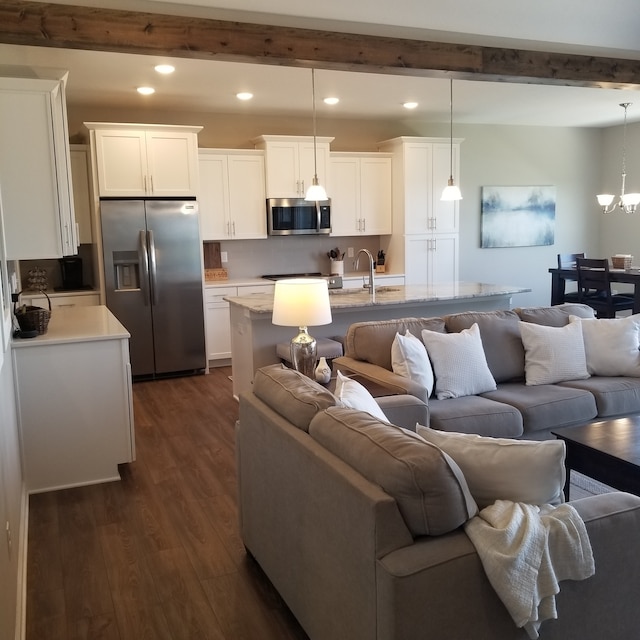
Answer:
[(577, 26)]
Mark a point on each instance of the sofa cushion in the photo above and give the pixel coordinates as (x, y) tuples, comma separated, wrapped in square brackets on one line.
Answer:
[(371, 341), (291, 394), (355, 396), (500, 333), (429, 488), (409, 359), (611, 345), (505, 469), (556, 316), (546, 406), (553, 354), (459, 363), (475, 414), (614, 396)]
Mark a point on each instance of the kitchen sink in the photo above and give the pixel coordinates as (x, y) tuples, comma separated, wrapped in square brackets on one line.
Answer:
[(386, 289), (342, 292)]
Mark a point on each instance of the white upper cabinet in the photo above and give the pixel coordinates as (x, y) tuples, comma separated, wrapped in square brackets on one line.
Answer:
[(80, 173), (421, 171), (232, 196), (135, 160), (360, 194), (290, 164), (35, 169)]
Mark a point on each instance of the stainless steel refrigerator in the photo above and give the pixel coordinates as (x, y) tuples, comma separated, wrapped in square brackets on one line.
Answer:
[(153, 279)]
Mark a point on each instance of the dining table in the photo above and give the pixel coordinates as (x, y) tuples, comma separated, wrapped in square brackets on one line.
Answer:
[(559, 278)]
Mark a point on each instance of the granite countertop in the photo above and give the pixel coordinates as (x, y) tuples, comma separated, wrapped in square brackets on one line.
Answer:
[(77, 324), (391, 295)]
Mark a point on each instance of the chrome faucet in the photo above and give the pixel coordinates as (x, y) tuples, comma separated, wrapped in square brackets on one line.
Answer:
[(372, 269)]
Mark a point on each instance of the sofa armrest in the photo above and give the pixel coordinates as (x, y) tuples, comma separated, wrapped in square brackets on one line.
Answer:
[(438, 585), (404, 410), (380, 375)]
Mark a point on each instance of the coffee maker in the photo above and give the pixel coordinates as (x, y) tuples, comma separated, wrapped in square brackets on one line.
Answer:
[(71, 270)]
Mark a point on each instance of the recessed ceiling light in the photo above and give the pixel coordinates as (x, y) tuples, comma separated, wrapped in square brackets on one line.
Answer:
[(145, 91), (164, 68), (331, 100), (244, 95), (410, 105)]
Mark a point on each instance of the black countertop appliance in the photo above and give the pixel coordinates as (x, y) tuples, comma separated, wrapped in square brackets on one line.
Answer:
[(71, 269)]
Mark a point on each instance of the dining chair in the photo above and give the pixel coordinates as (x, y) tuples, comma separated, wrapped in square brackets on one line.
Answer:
[(594, 288), (568, 261)]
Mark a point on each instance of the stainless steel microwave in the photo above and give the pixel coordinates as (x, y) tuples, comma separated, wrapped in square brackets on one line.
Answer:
[(295, 216)]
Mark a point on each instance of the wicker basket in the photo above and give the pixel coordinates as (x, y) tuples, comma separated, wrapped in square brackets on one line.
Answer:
[(621, 262), (32, 318)]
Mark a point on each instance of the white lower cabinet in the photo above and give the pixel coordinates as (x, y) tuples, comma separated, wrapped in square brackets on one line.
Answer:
[(75, 409), (218, 325), (58, 301)]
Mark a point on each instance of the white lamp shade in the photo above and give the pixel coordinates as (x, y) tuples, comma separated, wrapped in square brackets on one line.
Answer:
[(316, 193), (451, 192), (301, 302), (631, 199), (605, 199)]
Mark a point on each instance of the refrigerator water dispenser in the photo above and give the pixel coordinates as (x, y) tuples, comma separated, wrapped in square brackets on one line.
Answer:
[(127, 270)]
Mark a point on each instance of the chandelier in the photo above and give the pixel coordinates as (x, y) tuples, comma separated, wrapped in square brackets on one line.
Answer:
[(628, 201)]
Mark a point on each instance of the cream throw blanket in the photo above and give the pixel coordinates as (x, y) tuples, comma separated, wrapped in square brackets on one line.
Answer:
[(526, 551)]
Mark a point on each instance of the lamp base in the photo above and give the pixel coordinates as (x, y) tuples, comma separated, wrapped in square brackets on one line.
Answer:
[(304, 352)]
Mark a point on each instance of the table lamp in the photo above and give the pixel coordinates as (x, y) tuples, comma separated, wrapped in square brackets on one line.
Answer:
[(302, 303)]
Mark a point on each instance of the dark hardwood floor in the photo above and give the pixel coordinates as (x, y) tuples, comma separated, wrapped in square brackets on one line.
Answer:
[(157, 555)]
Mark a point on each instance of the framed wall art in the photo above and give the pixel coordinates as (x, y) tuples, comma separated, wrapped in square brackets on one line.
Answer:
[(518, 216)]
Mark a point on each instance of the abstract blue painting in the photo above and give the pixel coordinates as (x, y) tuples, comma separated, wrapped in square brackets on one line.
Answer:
[(518, 216)]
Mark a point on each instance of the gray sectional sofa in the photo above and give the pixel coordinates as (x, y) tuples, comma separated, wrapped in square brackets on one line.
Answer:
[(322, 513), (514, 409)]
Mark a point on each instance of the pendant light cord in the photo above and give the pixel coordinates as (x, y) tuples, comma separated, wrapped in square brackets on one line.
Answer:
[(625, 105), (451, 127), (313, 95)]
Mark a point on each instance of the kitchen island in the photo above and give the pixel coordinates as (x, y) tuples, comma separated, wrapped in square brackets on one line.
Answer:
[(75, 409), (254, 337)]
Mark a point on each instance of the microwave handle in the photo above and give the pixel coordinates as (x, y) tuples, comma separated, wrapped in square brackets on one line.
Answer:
[(318, 217)]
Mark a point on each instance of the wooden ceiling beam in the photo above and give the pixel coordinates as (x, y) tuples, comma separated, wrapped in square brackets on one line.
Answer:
[(75, 27)]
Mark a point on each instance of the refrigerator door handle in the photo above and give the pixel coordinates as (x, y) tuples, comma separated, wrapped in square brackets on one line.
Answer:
[(152, 269), (143, 261)]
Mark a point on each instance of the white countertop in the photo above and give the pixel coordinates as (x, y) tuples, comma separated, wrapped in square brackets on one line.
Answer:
[(391, 295), (240, 282), (77, 324)]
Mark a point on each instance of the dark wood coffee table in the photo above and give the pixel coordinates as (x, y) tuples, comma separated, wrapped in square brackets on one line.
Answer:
[(607, 451)]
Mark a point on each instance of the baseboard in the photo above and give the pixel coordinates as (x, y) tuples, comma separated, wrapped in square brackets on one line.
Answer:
[(23, 538)]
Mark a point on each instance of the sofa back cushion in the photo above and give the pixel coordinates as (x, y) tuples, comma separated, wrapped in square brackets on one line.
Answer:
[(371, 341), (500, 333), (291, 394), (428, 486), (556, 316)]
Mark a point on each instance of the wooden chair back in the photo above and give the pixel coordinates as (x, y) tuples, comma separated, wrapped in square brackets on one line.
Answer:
[(568, 260)]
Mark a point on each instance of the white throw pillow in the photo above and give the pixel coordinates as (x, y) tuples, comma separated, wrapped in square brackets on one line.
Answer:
[(409, 359), (353, 395), (611, 345), (459, 364), (528, 471), (553, 354)]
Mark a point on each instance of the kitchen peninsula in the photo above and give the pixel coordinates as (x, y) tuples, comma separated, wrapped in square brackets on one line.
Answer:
[(254, 337), (75, 411)]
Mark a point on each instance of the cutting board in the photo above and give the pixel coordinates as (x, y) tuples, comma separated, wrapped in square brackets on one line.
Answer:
[(212, 258)]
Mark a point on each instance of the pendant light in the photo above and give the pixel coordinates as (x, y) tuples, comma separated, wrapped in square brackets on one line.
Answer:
[(316, 191), (628, 201), (451, 192)]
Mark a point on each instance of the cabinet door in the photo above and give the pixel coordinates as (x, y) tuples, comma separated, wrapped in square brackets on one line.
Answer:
[(417, 187), (345, 200), (213, 197), (431, 259), (34, 165), (375, 195), (172, 163), (445, 214), (81, 197), (282, 170), (247, 200), (121, 157), (218, 325)]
